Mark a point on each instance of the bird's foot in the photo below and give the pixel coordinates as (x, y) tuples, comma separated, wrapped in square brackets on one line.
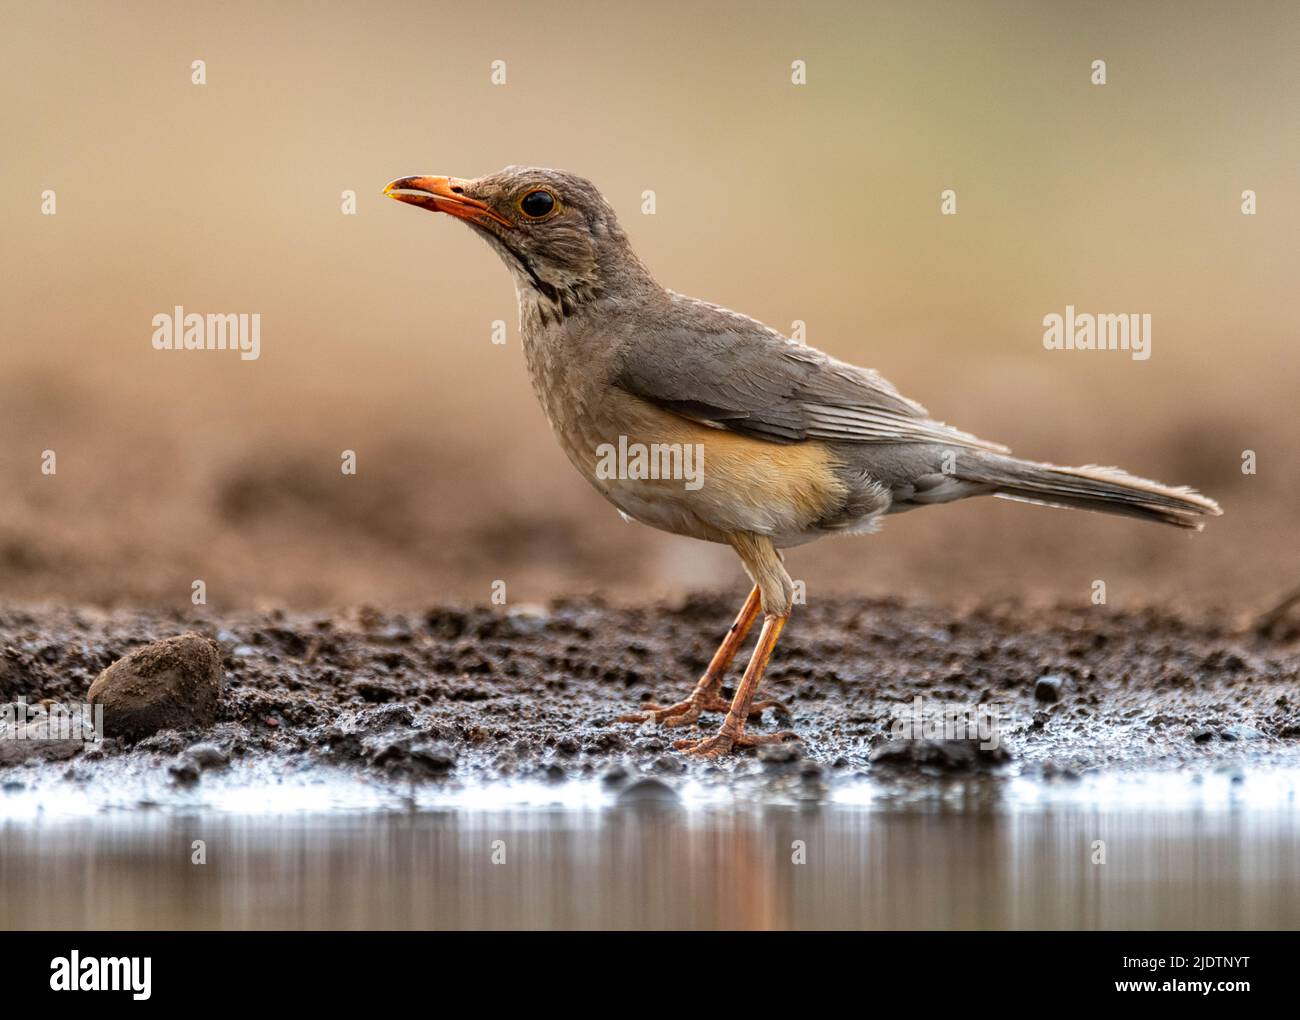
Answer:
[(681, 714), (684, 713), (723, 742)]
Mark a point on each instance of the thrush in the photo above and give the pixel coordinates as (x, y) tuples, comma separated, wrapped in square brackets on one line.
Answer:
[(793, 444)]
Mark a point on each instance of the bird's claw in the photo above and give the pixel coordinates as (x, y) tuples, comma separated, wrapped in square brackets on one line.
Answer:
[(681, 714), (684, 713), (722, 742)]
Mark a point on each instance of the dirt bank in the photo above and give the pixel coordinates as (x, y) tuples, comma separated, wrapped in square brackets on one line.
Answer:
[(452, 695)]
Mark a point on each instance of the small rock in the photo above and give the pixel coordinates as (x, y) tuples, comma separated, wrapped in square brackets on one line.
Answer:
[(375, 691), (207, 756), (173, 683), (553, 772), (615, 776), (410, 753), (1048, 688), (1202, 736), (164, 741), (185, 770), (648, 791), (669, 765), (373, 720), (780, 754), (948, 755), (434, 756)]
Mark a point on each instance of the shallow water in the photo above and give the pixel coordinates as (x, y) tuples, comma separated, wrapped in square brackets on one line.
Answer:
[(1205, 853)]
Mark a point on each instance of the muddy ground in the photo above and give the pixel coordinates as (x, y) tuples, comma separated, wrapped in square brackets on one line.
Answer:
[(457, 695)]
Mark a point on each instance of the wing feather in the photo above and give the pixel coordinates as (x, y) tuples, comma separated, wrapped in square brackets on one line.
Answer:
[(723, 369)]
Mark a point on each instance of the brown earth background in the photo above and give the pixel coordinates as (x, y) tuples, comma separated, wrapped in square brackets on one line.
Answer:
[(818, 203)]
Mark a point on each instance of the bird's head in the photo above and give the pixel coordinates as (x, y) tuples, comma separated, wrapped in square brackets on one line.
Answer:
[(553, 229)]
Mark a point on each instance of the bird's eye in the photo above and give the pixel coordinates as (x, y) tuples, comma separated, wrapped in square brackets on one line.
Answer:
[(537, 204)]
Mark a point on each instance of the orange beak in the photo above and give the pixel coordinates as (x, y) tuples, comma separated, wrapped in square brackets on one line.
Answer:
[(442, 194)]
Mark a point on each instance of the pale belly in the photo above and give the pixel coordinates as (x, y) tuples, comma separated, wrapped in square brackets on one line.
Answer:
[(689, 479)]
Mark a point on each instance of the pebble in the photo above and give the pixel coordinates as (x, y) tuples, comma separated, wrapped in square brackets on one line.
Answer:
[(170, 684), (553, 772), (945, 755), (668, 764), (411, 753), (207, 755), (185, 770), (780, 754), (1048, 688), (648, 791), (617, 775)]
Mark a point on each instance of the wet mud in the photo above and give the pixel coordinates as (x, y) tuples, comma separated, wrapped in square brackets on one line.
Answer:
[(452, 695)]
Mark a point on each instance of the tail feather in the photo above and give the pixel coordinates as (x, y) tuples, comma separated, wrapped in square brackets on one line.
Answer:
[(1103, 489)]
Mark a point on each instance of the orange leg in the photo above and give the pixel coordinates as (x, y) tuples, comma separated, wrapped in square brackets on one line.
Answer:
[(707, 696), (732, 734)]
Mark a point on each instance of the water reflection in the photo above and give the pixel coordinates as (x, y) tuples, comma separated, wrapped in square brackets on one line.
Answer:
[(660, 866)]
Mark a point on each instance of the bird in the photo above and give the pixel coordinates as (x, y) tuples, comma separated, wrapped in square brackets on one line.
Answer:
[(791, 444)]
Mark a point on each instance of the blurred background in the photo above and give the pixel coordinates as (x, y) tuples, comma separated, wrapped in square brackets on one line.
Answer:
[(817, 203)]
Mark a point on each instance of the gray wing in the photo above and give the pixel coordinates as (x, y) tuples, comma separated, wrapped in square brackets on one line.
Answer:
[(725, 370)]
